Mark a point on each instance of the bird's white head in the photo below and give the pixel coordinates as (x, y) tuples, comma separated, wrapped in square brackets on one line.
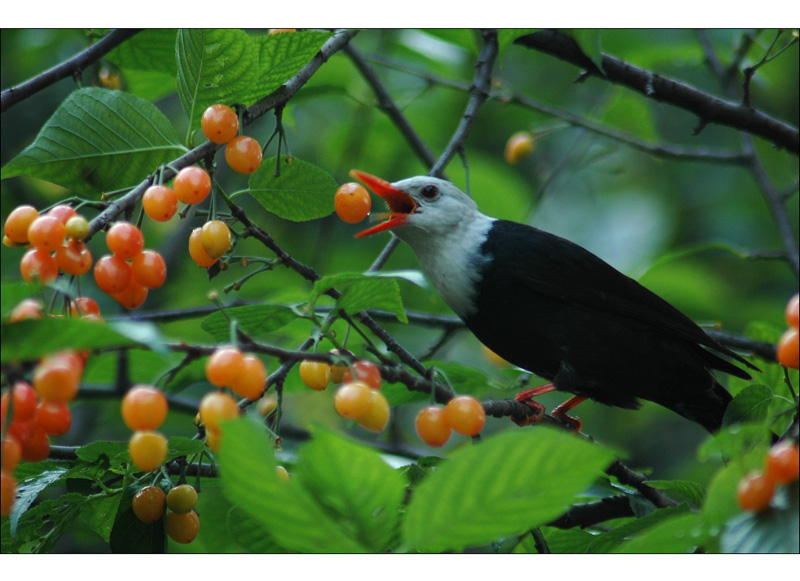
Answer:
[(421, 207)]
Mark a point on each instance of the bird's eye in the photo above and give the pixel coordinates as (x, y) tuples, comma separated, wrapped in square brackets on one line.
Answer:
[(430, 192)]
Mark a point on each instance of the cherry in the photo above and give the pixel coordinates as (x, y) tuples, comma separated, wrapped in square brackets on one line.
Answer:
[(77, 227), (149, 269), (18, 222), (315, 374), (243, 154), (46, 233), (57, 377), (125, 240), (160, 203), (783, 463), (85, 306), (8, 490), (518, 146), (112, 274), (25, 400), (62, 212), (266, 405), (224, 366), (283, 474), (148, 450), (11, 453), (144, 407), (26, 309), (197, 252), (353, 400), (183, 528), (788, 353), (215, 236), (378, 415), (220, 123), (337, 371), (252, 380), (54, 417), (216, 407), (148, 504), (754, 492), (366, 372), (352, 202), (37, 447), (38, 266), (432, 427), (192, 185), (182, 498), (793, 311), (465, 415), (133, 296), (74, 258)]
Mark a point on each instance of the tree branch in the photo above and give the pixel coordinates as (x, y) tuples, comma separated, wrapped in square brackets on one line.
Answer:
[(708, 108), (69, 68), (587, 514)]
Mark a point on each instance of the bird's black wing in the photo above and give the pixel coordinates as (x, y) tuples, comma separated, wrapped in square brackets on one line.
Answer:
[(555, 267)]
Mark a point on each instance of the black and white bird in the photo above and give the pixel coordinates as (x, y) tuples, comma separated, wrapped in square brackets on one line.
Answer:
[(555, 309)]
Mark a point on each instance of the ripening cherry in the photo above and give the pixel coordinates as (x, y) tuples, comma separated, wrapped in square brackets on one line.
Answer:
[(18, 222), (224, 365), (77, 227), (125, 240), (62, 212), (282, 473), (74, 258), (783, 463), (192, 185), (37, 447), (148, 504), (197, 252), (183, 528), (220, 123), (266, 405), (8, 491), (337, 371), (11, 453), (315, 374), (252, 379), (144, 407), (57, 377), (353, 400), (112, 274), (133, 296), (793, 311), (26, 309), (149, 269), (24, 399), (352, 202), (182, 498), (46, 233), (215, 236), (148, 450), (53, 417), (432, 427), (788, 353), (378, 415), (243, 154), (754, 492), (366, 372), (465, 415), (216, 407), (38, 266), (518, 146), (83, 306), (160, 203)]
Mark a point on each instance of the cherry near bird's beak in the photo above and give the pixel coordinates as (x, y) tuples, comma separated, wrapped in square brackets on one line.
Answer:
[(401, 205)]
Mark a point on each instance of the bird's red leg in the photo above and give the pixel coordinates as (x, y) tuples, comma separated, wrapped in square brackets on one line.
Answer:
[(561, 412), (526, 396)]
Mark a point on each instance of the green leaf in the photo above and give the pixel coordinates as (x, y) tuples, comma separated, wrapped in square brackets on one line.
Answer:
[(775, 530), (589, 39), (115, 452), (609, 541), (249, 534), (567, 541), (301, 192), (749, 405), (677, 534), (255, 320), (98, 140), (214, 66), (149, 50), (691, 491), (31, 339), (280, 57), (355, 486), (629, 112), (29, 490), (130, 535), (290, 514), (462, 378), (100, 512), (13, 292), (505, 485), (43, 525), (735, 440)]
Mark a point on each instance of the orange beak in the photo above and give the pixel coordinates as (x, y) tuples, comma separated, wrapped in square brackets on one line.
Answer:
[(401, 205)]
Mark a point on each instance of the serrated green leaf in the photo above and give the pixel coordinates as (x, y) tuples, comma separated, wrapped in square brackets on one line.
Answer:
[(249, 534), (285, 509), (214, 66), (43, 525), (301, 192), (255, 320), (100, 512), (691, 491), (149, 50), (280, 57), (567, 541), (462, 378), (15, 291), (363, 291), (676, 534), (115, 452), (31, 339), (29, 490), (98, 140), (749, 405), (505, 485), (608, 541), (355, 486), (733, 441)]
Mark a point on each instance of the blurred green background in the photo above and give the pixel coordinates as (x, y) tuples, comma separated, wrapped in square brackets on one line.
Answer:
[(677, 226)]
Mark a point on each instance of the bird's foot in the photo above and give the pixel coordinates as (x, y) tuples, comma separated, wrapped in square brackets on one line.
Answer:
[(560, 412), (526, 396)]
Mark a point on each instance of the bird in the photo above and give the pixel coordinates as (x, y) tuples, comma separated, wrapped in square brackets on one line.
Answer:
[(553, 308)]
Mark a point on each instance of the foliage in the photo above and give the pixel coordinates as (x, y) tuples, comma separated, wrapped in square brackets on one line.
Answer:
[(703, 213)]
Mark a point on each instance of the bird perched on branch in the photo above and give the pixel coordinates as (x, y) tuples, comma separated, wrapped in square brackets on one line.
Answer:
[(555, 309)]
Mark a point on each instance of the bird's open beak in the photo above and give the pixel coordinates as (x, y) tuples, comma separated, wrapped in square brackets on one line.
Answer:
[(401, 205)]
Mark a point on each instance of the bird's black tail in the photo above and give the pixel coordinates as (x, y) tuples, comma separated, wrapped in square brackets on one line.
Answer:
[(707, 409)]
